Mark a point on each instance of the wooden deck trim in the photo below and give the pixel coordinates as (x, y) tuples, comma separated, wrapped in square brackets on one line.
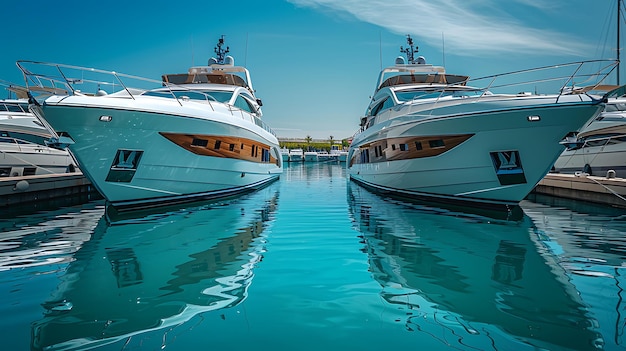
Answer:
[(395, 149), (222, 146)]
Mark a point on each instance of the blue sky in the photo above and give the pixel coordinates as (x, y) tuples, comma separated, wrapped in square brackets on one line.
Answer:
[(314, 63)]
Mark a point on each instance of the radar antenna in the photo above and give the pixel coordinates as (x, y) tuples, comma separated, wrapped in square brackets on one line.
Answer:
[(410, 51), (221, 53)]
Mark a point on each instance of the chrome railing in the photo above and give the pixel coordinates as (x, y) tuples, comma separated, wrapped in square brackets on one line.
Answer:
[(44, 79), (555, 80), (558, 79)]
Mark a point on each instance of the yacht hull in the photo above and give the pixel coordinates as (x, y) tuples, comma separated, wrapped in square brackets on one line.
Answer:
[(486, 152), (138, 157), (33, 159), (596, 161), (604, 150)]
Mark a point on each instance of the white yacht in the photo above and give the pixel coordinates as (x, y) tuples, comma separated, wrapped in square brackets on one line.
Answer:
[(284, 152), (16, 121), (310, 156), (340, 154), (199, 135), (428, 134), (20, 158), (296, 155), (26, 146), (324, 156), (600, 146)]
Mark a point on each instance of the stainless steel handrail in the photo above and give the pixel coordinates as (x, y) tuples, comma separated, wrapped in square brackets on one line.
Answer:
[(49, 83)]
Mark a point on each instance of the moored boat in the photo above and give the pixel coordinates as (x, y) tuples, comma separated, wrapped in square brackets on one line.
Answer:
[(324, 156), (340, 155), (429, 134), (310, 156), (16, 121), (599, 147), (197, 135), (284, 152), (296, 155), (26, 147), (20, 158)]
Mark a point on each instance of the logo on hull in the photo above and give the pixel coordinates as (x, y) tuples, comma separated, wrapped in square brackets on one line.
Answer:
[(508, 167)]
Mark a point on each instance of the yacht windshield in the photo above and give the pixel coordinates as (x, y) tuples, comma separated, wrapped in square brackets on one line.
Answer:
[(14, 107), (408, 95), (211, 95)]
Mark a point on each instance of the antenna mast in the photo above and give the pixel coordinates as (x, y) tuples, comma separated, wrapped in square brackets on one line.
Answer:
[(619, 17), (410, 51), (221, 53)]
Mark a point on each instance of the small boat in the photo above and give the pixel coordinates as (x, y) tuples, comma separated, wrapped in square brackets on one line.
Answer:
[(284, 152), (340, 155), (598, 149), (296, 155), (310, 156), (16, 121), (20, 158), (324, 156), (197, 135), (431, 135), (26, 147)]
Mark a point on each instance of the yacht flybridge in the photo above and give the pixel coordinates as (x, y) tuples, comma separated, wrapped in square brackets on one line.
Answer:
[(195, 135), (433, 135)]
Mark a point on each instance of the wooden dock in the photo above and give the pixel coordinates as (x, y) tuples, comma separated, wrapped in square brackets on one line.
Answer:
[(29, 189), (582, 187)]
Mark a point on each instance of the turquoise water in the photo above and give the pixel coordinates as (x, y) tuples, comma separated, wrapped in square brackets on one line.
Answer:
[(314, 262)]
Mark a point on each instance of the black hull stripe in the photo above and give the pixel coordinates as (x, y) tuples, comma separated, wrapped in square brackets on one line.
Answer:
[(444, 199), (141, 204)]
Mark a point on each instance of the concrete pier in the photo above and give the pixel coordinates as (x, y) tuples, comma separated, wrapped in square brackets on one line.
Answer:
[(28, 189), (582, 187)]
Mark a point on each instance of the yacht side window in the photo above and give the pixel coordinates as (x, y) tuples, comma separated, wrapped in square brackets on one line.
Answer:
[(379, 107), (383, 105), (245, 105)]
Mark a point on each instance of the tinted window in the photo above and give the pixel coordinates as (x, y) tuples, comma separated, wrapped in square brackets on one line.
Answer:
[(243, 104), (385, 104), (199, 142), (221, 96), (436, 143)]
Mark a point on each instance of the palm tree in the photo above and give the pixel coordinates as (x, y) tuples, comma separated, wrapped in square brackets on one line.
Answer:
[(331, 141), (308, 140)]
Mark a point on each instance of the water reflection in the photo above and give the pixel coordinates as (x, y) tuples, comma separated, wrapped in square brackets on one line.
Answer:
[(156, 272), (43, 238), (587, 243), (581, 230), (468, 281)]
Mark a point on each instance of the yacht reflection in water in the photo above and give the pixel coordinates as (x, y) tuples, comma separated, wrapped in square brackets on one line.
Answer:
[(156, 272), (467, 281)]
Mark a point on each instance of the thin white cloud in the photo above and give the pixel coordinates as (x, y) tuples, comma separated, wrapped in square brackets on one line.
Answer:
[(469, 27), (542, 5)]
